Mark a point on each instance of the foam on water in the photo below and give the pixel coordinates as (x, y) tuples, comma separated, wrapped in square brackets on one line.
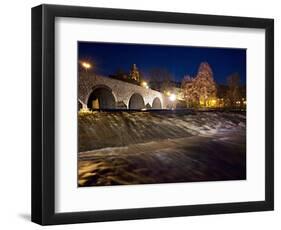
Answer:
[(99, 130)]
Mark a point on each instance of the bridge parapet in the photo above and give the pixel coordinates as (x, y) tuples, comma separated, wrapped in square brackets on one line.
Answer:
[(123, 93)]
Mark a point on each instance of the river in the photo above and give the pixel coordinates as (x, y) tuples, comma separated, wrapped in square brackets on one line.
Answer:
[(125, 147)]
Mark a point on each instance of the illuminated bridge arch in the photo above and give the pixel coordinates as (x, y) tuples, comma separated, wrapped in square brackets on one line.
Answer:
[(156, 104), (136, 102), (101, 97)]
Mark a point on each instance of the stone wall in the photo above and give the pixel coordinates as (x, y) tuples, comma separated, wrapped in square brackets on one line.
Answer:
[(122, 91)]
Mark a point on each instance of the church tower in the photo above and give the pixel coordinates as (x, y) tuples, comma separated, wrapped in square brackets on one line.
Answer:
[(134, 73)]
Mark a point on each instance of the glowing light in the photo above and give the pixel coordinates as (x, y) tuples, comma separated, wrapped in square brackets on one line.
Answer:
[(84, 111), (144, 83), (213, 102), (86, 65), (168, 93), (172, 97)]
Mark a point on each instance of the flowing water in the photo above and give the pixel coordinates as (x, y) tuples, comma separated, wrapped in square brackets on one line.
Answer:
[(125, 147)]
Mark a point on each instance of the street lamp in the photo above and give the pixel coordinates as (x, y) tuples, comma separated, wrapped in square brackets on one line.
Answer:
[(86, 65)]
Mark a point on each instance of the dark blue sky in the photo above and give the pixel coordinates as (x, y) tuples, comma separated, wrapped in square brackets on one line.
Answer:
[(178, 60)]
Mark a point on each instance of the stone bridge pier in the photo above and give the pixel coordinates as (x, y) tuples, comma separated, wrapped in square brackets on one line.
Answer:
[(98, 92)]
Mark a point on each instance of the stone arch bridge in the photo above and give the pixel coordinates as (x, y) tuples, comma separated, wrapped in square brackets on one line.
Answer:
[(98, 92)]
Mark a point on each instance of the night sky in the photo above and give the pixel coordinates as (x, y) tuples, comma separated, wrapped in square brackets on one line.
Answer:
[(178, 60)]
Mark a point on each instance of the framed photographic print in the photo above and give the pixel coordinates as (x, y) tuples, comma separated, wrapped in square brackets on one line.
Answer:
[(141, 114)]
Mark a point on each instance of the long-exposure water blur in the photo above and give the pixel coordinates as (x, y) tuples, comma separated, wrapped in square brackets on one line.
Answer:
[(133, 147)]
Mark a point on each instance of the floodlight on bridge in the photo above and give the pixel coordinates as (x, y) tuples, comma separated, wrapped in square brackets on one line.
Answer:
[(172, 97)]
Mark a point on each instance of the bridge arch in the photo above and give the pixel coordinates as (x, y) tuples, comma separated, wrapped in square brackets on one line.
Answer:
[(101, 97), (80, 105), (156, 103), (136, 102)]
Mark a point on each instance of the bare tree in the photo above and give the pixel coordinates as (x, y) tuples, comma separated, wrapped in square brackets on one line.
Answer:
[(161, 78), (233, 92)]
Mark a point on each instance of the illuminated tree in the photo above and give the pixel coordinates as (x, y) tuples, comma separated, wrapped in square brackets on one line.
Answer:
[(205, 84), (191, 95), (200, 90)]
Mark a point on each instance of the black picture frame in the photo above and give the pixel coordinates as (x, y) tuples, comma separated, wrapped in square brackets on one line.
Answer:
[(43, 110)]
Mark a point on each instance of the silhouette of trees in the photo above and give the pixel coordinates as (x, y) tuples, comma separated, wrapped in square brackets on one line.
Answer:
[(161, 79), (233, 92)]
